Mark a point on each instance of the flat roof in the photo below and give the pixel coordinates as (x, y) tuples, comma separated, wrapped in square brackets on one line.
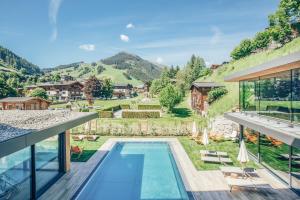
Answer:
[(23, 128), (277, 129), (206, 84), (20, 99), (280, 64)]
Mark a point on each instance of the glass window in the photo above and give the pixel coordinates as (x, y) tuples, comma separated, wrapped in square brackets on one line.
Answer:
[(15, 175), (295, 170), (251, 141), (274, 154), (249, 101), (47, 161), (296, 95), (275, 95)]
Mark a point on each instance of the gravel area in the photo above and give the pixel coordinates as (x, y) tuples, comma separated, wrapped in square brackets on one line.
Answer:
[(15, 123)]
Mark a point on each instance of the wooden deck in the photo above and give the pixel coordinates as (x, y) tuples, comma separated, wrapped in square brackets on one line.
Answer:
[(202, 185)]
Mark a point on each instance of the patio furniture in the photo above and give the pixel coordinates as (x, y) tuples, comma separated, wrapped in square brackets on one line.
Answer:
[(78, 138), (211, 159), (92, 138), (213, 153), (246, 182), (249, 172), (76, 150)]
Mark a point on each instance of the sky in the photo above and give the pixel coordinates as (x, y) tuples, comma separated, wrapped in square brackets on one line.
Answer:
[(53, 32)]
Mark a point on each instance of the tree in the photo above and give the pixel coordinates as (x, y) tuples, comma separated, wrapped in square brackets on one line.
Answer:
[(158, 84), (92, 89), (169, 97), (244, 49), (39, 92), (56, 77), (6, 90), (107, 88), (262, 40)]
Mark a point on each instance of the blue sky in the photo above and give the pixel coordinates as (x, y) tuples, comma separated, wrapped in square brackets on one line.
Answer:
[(53, 32)]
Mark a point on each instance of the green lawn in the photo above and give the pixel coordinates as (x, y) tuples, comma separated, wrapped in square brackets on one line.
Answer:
[(89, 148), (193, 149)]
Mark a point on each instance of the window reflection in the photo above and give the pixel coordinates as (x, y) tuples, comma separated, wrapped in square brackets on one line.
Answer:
[(47, 162), (295, 171), (15, 175), (296, 95), (251, 141)]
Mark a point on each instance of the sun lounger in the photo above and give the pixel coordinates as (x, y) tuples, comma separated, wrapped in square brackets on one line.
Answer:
[(294, 157), (78, 137), (92, 138), (246, 182), (7, 187), (227, 171), (213, 153), (215, 159)]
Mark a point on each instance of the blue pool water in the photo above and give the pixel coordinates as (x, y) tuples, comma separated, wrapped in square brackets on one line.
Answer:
[(136, 171)]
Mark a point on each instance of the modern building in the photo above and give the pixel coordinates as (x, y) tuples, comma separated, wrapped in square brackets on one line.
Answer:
[(24, 103), (270, 114), (199, 95), (62, 91), (35, 150)]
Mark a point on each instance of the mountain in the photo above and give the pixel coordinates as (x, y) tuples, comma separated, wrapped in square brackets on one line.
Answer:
[(136, 66), (10, 60), (121, 68)]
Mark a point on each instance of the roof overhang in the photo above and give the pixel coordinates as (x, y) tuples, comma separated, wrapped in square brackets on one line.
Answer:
[(280, 130), (17, 143), (291, 61)]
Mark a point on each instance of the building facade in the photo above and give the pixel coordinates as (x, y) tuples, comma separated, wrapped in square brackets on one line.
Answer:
[(122, 90), (35, 150), (63, 91), (24, 103), (199, 95), (269, 119)]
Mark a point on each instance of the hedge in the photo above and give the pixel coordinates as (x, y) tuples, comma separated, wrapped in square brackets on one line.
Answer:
[(125, 107), (84, 110), (113, 108), (106, 114), (149, 107), (140, 114)]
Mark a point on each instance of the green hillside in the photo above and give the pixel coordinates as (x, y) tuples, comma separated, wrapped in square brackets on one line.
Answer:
[(85, 70), (121, 68), (231, 99)]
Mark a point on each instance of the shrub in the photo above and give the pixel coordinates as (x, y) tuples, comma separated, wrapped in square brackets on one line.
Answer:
[(140, 114), (84, 110), (106, 114), (169, 97), (244, 49), (125, 107), (113, 108), (39, 92), (149, 107), (216, 94)]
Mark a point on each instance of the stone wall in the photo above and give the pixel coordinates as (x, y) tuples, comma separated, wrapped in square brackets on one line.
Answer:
[(221, 126)]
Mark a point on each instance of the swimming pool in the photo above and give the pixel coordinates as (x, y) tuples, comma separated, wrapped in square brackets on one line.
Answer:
[(136, 170)]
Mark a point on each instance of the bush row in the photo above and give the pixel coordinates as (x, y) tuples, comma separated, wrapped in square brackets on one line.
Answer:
[(113, 108), (125, 107), (140, 115), (106, 114), (149, 107)]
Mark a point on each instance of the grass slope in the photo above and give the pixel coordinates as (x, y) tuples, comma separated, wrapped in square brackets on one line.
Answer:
[(231, 99), (116, 75)]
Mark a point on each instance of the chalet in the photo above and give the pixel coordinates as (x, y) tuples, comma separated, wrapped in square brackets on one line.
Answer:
[(67, 78), (199, 95), (122, 90), (63, 91), (214, 66), (24, 103)]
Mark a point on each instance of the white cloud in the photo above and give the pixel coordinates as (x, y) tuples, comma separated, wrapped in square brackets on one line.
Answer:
[(217, 35), (207, 63), (124, 38), (53, 11), (159, 60), (130, 25), (87, 47)]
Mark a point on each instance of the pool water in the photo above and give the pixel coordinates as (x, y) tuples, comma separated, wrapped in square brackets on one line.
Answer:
[(136, 170)]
